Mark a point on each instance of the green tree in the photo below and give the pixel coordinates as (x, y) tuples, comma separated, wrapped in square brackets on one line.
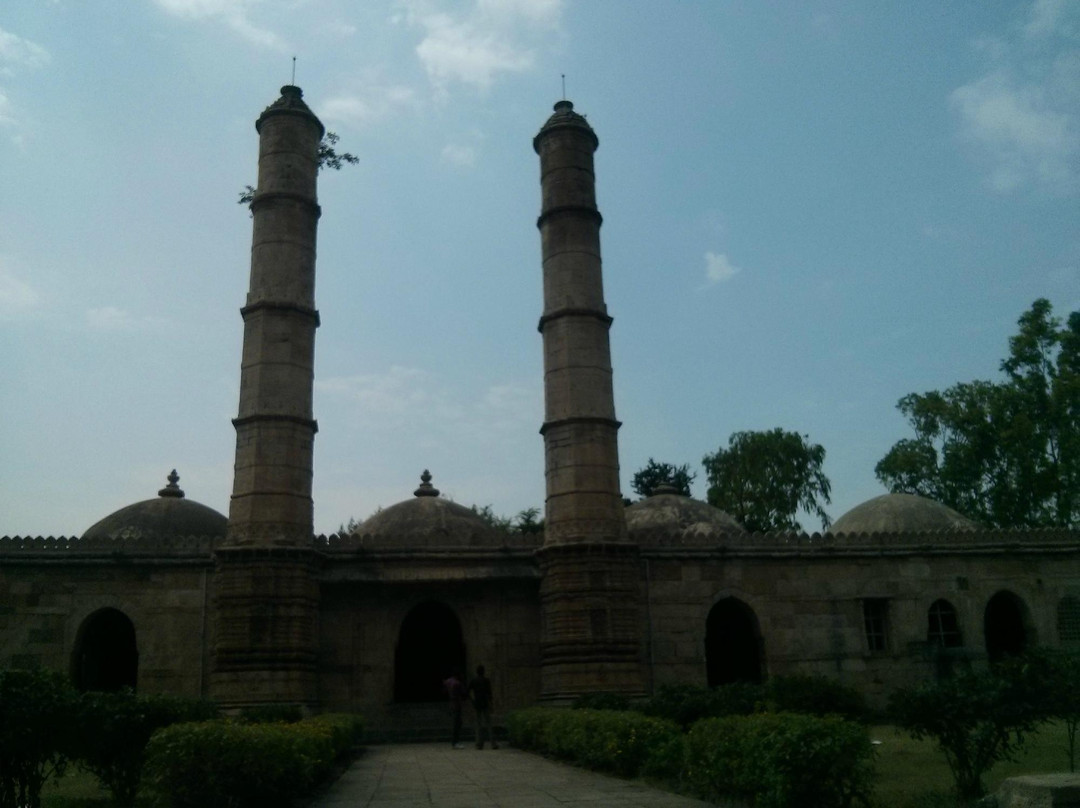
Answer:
[(38, 716), (1005, 453), (328, 158), (653, 474), (976, 719), (764, 478)]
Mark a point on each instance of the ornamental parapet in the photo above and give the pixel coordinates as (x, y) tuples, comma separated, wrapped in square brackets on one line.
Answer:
[(143, 547), (699, 539)]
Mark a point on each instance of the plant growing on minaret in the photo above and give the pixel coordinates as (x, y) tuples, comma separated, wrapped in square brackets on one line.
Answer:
[(328, 158)]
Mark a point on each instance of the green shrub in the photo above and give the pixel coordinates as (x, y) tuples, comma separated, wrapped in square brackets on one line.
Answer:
[(686, 704), (605, 740), (814, 695), (346, 731), (114, 729), (38, 711), (526, 727), (601, 701), (780, 760), (240, 765)]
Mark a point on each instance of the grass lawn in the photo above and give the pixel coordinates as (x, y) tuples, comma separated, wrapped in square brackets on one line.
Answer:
[(76, 789), (913, 774)]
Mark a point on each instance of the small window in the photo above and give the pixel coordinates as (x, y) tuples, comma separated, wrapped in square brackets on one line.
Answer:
[(1069, 620), (876, 620), (943, 630)]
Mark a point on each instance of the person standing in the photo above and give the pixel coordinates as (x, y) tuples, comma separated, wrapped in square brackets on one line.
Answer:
[(481, 696), (455, 689)]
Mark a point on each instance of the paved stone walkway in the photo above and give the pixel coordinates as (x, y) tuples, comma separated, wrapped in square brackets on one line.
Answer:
[(436, 776)]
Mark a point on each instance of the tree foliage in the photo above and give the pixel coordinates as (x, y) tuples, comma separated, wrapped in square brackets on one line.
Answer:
[(1005, 453), (976, 719), (328, 158), (654, 474), (764, 478), (38, 716)]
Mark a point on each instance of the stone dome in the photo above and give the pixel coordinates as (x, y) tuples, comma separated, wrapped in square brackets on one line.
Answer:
[(901, 513), (428, 520), (170, 514), (669, 513)]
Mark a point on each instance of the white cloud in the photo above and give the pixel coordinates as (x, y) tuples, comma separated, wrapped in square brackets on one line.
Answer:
[(464, 156), (371, 103), (1022, 116), (420, 401), (16, 296), (18, 52), (492, 37), (718, 268), (110, 318), (233, 13)]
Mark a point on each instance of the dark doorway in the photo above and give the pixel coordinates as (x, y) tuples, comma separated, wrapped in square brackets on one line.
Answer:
[(1004, 626), (732, 644), (105, 654), (429, 648)]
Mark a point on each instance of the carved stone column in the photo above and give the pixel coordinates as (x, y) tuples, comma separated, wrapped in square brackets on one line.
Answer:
[(266, 628), (590, 632)]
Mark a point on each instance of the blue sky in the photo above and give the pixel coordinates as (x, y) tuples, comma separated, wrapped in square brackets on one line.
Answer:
[(810, 210)]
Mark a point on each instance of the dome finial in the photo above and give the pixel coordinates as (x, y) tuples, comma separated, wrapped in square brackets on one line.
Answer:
[(172, 489), (426, 489)]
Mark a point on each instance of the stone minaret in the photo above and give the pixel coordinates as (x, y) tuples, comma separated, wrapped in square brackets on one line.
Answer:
[(267, 595), (590, 632)]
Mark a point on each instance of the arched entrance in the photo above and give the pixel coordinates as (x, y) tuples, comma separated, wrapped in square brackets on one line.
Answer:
[(429, 649), (105, 656), (732, 644), (1005, 627)]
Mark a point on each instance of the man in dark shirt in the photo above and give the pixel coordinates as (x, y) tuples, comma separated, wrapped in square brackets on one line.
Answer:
[(481, 697)]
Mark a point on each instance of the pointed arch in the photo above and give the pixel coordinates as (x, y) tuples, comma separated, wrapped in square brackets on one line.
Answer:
[(1006, 626), (429, 648), (733, 647), (105, 656)]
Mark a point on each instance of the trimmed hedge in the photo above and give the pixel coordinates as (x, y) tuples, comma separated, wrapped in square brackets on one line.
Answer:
[(604, 740), (780, 760), (774, 760), (814, 695), (686, 704), (236, 765)]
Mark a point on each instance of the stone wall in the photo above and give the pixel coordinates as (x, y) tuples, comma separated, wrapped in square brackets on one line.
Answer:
[(50, 587)]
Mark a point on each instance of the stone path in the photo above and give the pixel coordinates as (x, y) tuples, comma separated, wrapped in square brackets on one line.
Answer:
[(436, 776)]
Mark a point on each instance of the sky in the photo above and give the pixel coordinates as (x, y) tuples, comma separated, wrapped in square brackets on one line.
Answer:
[(810, 210)]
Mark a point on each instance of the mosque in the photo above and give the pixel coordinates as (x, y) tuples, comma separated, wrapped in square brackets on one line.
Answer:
[(167, 595)]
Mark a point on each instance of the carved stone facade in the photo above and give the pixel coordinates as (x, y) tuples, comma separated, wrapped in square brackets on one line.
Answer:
[(169, 596)]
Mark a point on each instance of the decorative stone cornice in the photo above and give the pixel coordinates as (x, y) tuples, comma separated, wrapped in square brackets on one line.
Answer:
[(283, 306), (585, 211), (602, 316)]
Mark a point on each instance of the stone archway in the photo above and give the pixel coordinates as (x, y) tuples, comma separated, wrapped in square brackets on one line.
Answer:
[(105, 655), (429, 648), (732, 644), (1005, 626)]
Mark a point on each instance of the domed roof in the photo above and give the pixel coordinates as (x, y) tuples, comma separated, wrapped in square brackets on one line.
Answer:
[(901, 513), (667, 513), (168, 515), (428, 520)]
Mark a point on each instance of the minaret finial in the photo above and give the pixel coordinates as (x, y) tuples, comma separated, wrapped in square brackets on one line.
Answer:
[(564, 86), (293, 82), (426, 489), (172, 489)]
